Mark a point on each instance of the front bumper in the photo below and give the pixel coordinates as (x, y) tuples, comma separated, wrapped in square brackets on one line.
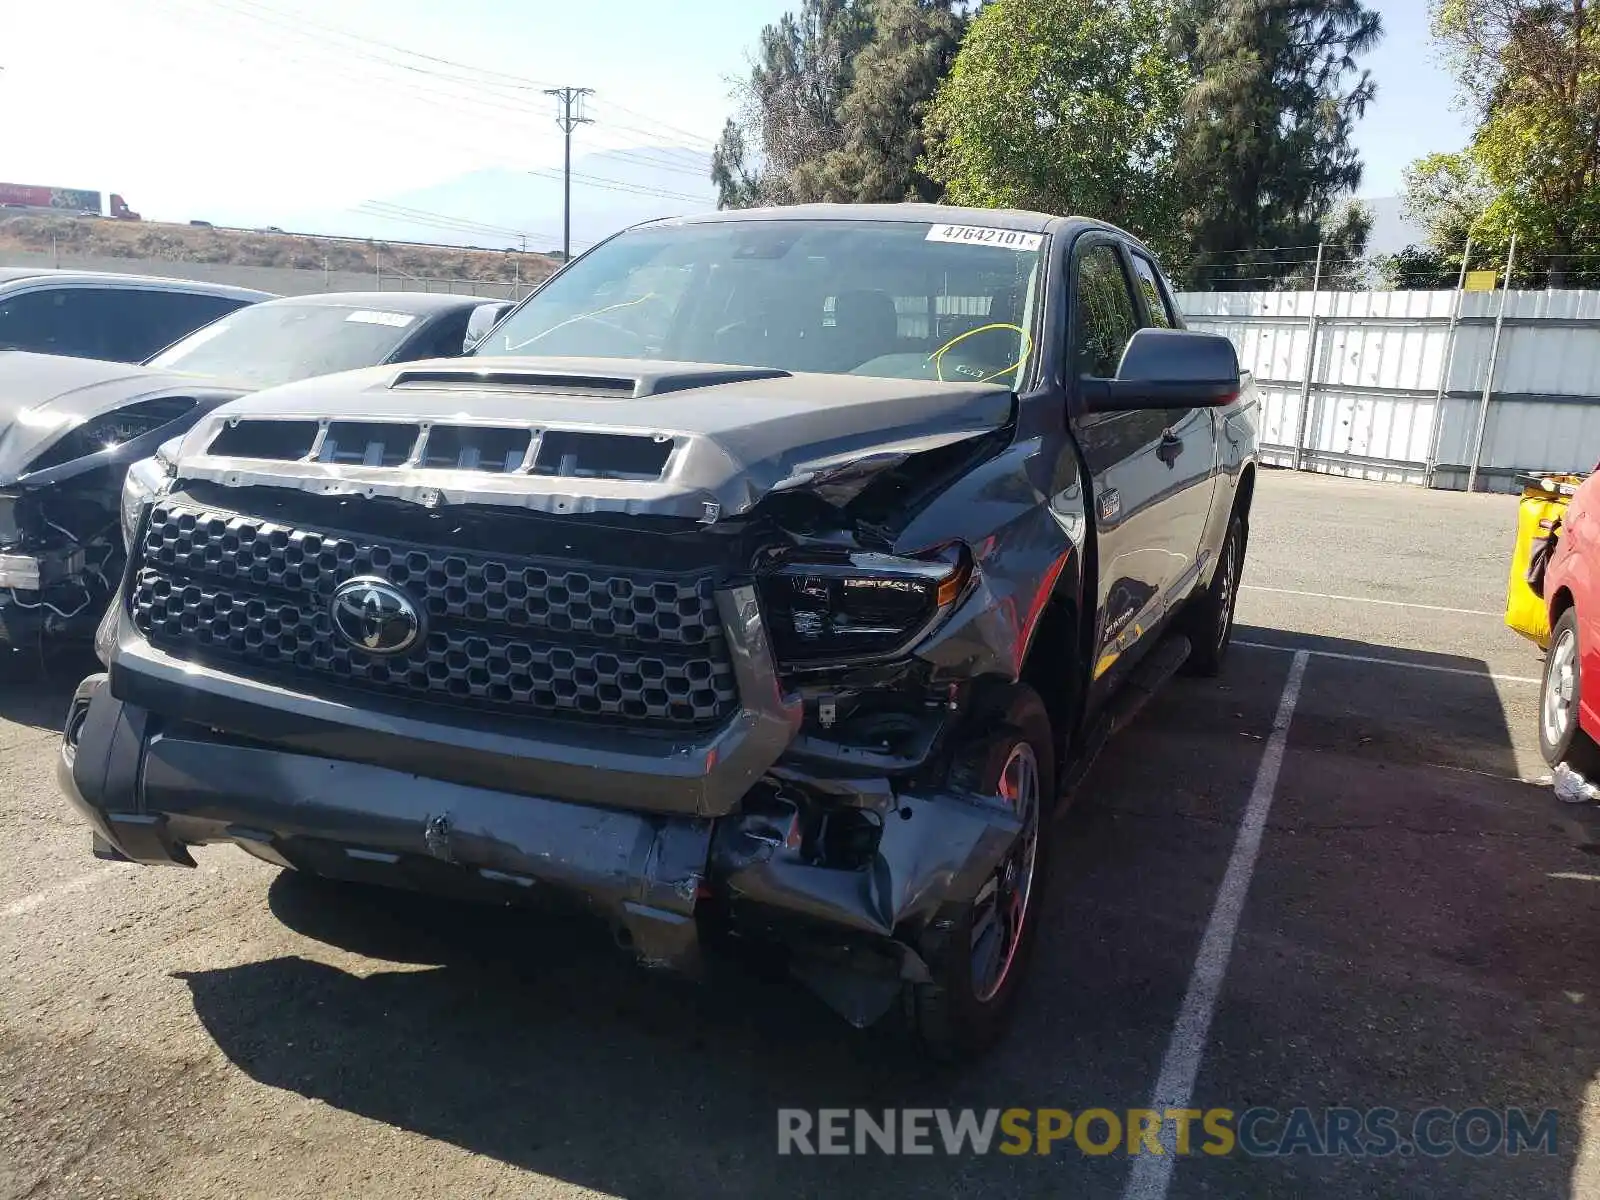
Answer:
[(153, 785), (149, 795), (702, 776)]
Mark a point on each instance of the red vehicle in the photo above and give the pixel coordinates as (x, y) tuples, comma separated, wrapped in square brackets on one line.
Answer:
[(1569, 695), (24, 195)]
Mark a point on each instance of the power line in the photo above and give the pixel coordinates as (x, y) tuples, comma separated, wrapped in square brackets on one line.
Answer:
[(655, 122), (618, 185), (518, 82), (638, 156), (400, 212), (292, 53)]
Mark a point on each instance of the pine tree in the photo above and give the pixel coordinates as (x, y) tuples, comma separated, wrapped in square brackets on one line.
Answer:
[(789, 108), (1265, 147), (914, 43)]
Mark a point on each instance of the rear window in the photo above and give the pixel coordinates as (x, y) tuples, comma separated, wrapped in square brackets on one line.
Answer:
[(285, 340)]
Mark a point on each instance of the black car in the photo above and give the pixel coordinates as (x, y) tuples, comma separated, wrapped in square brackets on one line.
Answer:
[(69, 427), (118, 318), (766, 578), (296, 337)]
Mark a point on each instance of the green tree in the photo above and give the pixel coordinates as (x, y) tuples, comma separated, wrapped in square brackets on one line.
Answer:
[(1063, 106), (1447, 195), (1265, 149), (1344, 234), (789, 108), (1531, 71), (914, 43)]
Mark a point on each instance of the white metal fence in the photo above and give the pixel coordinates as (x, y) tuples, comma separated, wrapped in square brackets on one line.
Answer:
[(1395, 385)]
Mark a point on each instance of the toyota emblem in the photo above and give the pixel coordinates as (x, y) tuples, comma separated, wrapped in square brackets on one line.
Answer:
[(372, 614)]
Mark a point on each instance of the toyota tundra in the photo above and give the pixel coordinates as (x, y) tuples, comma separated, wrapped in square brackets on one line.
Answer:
[(765, 578)]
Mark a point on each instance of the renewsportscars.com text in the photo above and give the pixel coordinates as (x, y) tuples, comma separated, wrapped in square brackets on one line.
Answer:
[(1255, 1132)]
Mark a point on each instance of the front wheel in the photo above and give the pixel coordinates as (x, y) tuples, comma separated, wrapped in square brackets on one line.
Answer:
[(1561, 740), (976, 976)]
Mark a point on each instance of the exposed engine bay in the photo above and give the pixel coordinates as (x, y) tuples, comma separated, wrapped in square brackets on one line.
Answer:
[(61, 557), (69, 429)]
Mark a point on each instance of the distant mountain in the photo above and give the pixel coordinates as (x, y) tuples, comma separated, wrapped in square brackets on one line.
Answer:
[(495, 207)]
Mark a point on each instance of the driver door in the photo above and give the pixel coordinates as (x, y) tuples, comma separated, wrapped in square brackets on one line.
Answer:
[(1131, 479)]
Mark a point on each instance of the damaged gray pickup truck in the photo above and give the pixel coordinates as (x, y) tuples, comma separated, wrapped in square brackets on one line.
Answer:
[(766, 578)]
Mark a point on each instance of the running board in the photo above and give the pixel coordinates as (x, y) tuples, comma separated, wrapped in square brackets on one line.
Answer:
[(1148, 678)]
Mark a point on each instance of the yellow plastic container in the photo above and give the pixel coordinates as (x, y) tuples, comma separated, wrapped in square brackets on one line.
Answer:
[(1544, 500)]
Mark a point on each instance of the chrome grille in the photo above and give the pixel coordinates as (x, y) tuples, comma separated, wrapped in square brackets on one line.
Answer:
[(502, 632)]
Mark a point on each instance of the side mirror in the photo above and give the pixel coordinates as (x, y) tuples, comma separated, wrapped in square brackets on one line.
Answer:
[(484, 318), (1168, 368)]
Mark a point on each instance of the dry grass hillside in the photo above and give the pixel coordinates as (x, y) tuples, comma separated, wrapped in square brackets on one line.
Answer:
[(75, 237)]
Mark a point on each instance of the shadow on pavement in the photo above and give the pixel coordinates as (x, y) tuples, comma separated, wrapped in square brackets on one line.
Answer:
[(532, 1040), (1436, 709), (1418, 932)]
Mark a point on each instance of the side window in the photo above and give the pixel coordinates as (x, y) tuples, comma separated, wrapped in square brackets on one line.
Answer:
[(444, 338), (1155, 298), (140, 323), (1104, 320), (43, 321)]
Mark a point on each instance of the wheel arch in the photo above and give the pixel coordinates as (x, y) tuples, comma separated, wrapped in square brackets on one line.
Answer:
[(1560, 600), (1055, 667), (1245, 492)]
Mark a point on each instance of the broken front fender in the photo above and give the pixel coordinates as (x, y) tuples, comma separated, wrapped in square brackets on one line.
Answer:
[(935, 848)]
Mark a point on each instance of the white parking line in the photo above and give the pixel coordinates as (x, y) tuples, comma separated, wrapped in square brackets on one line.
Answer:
[(1392, 662), (1470, 612), (1152, 1173), (81, 884)]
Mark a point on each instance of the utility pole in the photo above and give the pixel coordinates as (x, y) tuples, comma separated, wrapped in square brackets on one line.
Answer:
[(569, 116)]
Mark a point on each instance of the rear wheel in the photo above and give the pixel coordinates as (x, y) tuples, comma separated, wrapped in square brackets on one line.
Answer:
[(1561, 740), (1209, 623), (979, 969)]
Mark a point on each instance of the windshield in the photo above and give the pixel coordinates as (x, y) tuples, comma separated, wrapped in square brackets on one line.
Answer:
[(281, 341), (889, 298)]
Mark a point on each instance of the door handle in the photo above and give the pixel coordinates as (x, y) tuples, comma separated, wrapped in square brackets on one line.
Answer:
[(1171, 446)]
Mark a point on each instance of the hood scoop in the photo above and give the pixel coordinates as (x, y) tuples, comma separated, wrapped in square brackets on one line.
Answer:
[(498, 449), (621, 387)]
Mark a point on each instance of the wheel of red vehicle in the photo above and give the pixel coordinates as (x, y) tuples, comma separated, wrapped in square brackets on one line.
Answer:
[(1561, 740), (978, 972)]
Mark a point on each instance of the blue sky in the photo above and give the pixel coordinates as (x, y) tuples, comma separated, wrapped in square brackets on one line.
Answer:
[(257, 110)]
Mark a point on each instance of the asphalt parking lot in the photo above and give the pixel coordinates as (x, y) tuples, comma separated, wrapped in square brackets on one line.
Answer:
[(1413, 933)]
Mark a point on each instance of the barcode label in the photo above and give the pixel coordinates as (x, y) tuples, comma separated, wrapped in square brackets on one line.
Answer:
[(983, 235)]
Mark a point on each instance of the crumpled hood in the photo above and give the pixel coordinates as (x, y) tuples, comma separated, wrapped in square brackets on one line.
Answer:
[(729, 435), (43, 396)]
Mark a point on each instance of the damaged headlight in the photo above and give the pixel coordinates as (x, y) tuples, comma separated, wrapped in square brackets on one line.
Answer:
[(860, 606), (147, 479)]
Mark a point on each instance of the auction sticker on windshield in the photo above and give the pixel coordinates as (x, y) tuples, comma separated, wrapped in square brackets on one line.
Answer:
[(369, 317), (981, 235)]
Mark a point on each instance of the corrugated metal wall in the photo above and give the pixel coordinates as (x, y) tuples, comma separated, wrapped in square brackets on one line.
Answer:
[(1375, 407)]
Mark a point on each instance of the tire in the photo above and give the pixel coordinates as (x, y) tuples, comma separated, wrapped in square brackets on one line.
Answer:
[(1561, 740), (978, 972), (1209, 623)]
